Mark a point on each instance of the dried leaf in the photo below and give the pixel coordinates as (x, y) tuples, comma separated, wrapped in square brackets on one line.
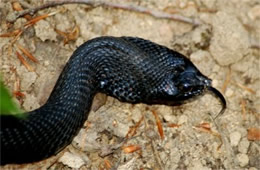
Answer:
[(174, 125), (24, 62), (69, 36), (131, 148), (27, 53), (17, 7), (107, 164), (205, 126), (253, 134)]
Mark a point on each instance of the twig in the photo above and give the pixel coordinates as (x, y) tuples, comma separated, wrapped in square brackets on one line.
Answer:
[(128, 7)]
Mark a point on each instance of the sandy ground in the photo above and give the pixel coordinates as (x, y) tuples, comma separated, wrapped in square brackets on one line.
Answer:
[(222, 48)]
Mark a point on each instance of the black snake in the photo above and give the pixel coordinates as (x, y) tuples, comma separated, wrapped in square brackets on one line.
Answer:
[(130, 69)]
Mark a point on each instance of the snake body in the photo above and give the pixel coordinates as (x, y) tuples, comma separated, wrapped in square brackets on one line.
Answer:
[(130, 69)]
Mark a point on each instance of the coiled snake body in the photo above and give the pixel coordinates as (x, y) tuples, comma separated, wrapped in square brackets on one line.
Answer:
[(130, 69)]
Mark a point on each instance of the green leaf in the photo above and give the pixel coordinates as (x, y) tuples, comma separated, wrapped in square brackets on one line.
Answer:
[(7, 106)]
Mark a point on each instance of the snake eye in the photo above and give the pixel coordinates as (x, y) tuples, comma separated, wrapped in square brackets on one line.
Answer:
[(185, 87), (179, 70)]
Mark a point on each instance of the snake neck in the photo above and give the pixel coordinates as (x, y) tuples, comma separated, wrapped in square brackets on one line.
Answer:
[(76, 86)]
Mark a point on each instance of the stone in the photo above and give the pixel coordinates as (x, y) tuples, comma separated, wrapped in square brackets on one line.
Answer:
[(230, 39), (235, 138), (72, 160), (44, 31), (243, 145), (242, 159)]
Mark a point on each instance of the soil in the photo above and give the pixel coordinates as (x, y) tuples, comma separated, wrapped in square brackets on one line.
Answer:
[(225, 47)]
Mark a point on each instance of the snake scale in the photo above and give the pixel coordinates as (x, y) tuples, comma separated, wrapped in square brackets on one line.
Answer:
[(130, 69)]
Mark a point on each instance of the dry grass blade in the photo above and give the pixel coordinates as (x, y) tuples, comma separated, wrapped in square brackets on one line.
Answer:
[(205, 127), (11, 34), (227, 81), (133, 130), (24, 62), (16, 37), (17, 87), (27, 53), (159, 124), (37, 19), (107, 164)]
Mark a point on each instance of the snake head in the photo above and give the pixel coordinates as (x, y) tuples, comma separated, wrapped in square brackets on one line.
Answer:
[(184, 83), (191, 83)]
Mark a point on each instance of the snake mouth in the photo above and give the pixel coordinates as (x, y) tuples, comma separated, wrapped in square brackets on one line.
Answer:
[(217, 93)]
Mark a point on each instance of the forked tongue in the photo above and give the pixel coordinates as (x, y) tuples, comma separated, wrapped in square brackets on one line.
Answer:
[(220, 97)]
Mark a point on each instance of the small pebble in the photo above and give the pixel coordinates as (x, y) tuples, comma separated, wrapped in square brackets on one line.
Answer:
[(242, 159), (228, 33), (254, 12), (229, 92), (72, 160), (46, 63), (243, 145), (197, 165), (45, 31), (235, 138), (175, 155), (150, 133), (167, 114), (121, 129)]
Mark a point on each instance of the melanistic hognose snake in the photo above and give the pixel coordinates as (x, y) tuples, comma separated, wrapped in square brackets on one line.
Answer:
[(130, 69)]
